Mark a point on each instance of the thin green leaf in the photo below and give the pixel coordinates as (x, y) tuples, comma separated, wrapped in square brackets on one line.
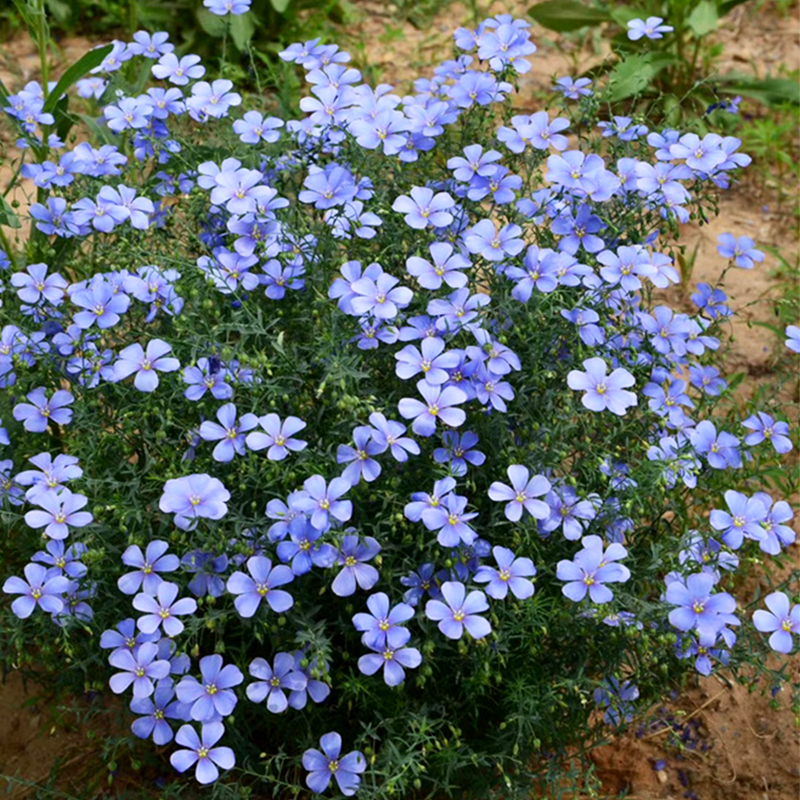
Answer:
[(566, 15), (80, 68), (280, 5), (770, 91), (25, 13)]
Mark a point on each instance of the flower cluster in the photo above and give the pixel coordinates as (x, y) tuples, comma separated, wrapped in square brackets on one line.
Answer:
[(430, 404)]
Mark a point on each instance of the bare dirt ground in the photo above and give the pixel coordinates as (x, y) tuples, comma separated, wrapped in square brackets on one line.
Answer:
[(739, 748)]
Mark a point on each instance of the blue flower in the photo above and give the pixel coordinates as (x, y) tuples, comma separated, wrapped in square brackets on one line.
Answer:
[(522, 493), (696, 607), (202, 751), (212, 99), (423, 208), (765, 428), (651, 28), (457, 453), (419, 582), (39, 412), (389, 434), (359, 458), (40, 588), (511, 573), (382, 625), (203, 378), (381, 298), (303, 549), (440, 404), (591, 569), (262, 585), (154, 560), (150, 45), (156, 711), (162, 610), (573, 89), (744, 520), (603, 391), (273, 681), (322, 766), (392, 657), (444, 267), (65, 559), (179, 72), (352, 555), (322, 502), (229, 433), (192, 497), (140, 667), (740, 250), (145, 363), (459, 611), (277, 436), (721, 450), (485, 240), (58, 512), (777, 535), (793, 338), (780, 622), (212, 698)]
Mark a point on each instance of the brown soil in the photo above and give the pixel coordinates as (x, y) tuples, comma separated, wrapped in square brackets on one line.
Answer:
[(743, 749)]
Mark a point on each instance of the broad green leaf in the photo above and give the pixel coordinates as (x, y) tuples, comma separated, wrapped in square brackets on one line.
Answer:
[(623, 15), (635, 73), (7, 215), (59, 9), (566, 15), (242, 29), (212, 24), (704, 18), (80, 68), (280, 5)]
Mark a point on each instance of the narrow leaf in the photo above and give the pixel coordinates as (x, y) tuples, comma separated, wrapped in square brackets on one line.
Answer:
[(80, 68)]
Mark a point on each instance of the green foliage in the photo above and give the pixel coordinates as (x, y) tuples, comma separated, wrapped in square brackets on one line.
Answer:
[(674, 65), (563, 16)]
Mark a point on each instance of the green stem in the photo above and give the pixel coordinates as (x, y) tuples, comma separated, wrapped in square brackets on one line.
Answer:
[(132, 20), (41, 43)]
